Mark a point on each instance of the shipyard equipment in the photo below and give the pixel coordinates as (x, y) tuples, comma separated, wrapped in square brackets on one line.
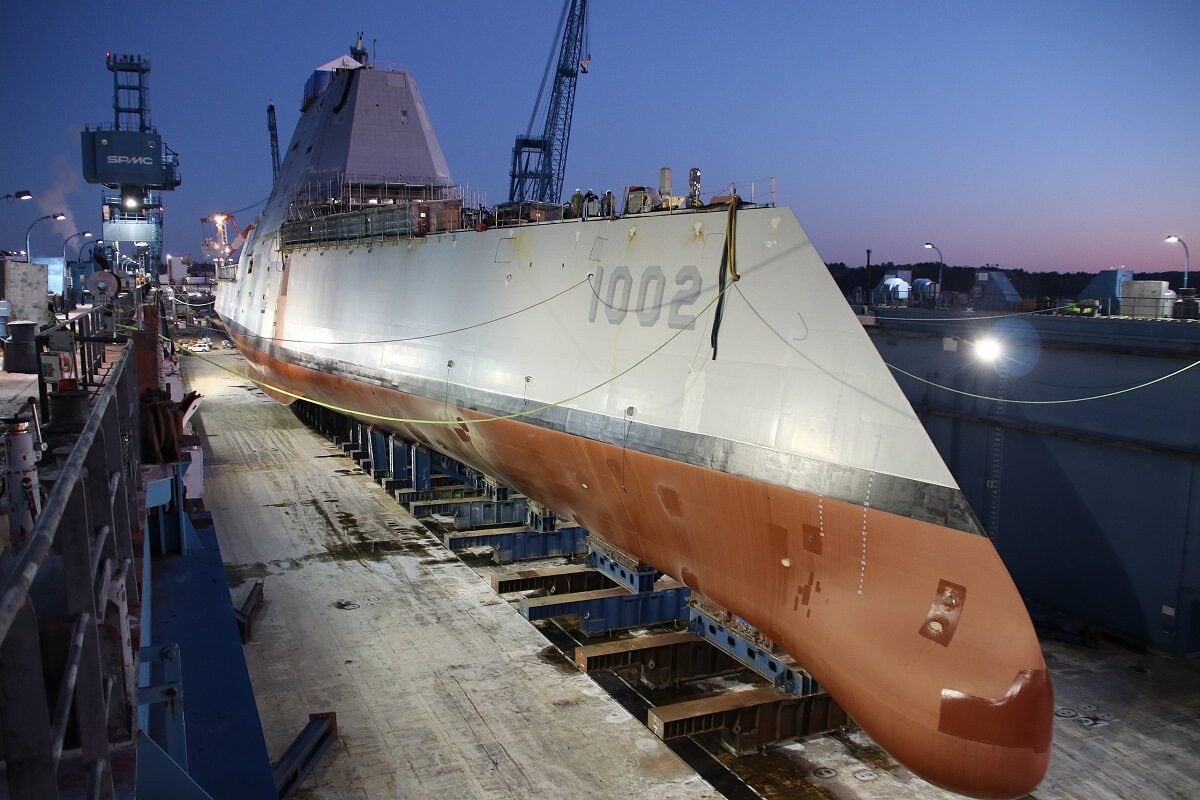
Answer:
[(273, 132), (218, 246), (539, 162), (130, 160)]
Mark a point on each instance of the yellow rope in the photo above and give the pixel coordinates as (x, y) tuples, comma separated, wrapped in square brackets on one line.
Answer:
[(586, 280), (894, 368), (177, 301), (1114, 393), (493, 418)]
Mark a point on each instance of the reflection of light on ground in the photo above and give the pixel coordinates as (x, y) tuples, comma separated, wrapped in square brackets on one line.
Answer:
[(209, 382)]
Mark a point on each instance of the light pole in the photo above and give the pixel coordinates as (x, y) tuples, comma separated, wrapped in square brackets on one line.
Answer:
[(941, 263), (1187, 257), (86, 245), (57, 216), (68, 279), (78, 291), (84, 234), (19, 194)]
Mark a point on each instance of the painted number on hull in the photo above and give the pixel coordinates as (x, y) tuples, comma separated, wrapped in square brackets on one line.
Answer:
[(620, 294)]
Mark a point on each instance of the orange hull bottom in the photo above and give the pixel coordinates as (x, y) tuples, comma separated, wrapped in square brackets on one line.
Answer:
[(915, 629)]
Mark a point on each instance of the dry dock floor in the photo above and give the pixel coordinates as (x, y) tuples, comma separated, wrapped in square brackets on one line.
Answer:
[(443, 690), (440, 688)]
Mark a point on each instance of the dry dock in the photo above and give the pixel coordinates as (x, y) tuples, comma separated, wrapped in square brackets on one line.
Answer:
[(440, 688), (443, 690)]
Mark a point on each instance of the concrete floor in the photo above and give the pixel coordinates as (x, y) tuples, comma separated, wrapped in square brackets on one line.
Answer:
[(442, 689), (15, 389), (1128, 728)]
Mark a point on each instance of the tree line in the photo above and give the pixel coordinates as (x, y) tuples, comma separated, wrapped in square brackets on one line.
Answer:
[(960, 279)]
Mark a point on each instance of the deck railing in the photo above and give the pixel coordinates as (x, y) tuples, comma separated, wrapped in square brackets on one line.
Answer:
[(358, 210), (68, 681), (82, 340)]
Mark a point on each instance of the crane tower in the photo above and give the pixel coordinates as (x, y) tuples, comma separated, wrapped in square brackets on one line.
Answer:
[(130, 160), (539, 162), (273, 134)]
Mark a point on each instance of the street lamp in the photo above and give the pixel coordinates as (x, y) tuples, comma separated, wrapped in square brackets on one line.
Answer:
[(19, 194), (84, 234), (1187, 257), (941, 263), (85, 246), (77, 291), (68, 279), (57, 216)]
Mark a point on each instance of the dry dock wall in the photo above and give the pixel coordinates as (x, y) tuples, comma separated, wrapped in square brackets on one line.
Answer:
[(1093, 504)]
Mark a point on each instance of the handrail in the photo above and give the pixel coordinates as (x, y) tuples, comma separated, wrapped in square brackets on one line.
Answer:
[(14, 586), (81, 519), (62, 708), (89, 337)]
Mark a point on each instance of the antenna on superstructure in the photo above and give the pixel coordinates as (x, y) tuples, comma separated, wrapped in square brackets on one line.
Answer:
[(357, 52), (273, 131)]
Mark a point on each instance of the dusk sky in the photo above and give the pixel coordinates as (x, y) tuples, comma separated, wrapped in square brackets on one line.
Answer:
[(1044, 135)]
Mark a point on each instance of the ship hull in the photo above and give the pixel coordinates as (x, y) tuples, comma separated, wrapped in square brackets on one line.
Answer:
[(687, 384), (833, 583)]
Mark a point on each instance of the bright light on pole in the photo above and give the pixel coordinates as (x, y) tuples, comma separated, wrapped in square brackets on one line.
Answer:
[(1187, 257), (941, 263), (19, 194), (68, 281), (92, 267), (86, 245), (84, 234), (56, 216)]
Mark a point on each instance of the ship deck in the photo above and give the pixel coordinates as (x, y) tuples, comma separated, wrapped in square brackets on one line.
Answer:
[(441, 688)]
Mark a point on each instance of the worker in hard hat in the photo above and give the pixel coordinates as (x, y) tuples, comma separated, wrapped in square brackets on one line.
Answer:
[(577, 204)]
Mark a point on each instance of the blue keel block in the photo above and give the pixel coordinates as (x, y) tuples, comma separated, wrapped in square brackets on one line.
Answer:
[(738, 639), (606, 610), (637, 579), (519, 543), (470, 512)]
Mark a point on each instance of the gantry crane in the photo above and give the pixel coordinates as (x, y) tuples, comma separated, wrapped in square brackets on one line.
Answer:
[(219, 246), (539, 162)]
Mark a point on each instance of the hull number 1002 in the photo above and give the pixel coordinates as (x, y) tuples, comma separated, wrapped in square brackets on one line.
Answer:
[(620, 294)]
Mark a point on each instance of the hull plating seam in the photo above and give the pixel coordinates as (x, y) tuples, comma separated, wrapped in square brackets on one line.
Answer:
[(940, 505)]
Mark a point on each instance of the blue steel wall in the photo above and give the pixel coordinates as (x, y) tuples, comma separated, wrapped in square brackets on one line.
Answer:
[(1092, 505)]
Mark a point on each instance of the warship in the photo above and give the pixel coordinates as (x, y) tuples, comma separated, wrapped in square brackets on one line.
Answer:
[(680, 377)]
